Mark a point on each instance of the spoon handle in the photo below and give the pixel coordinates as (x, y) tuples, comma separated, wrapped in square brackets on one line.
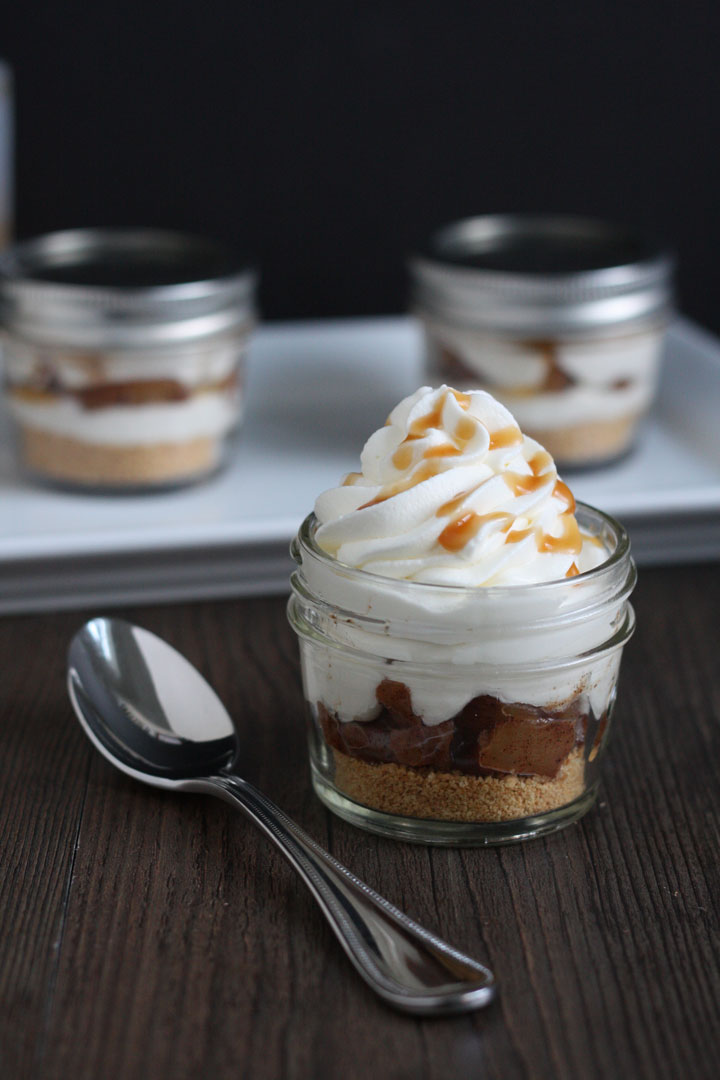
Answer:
[(409, 967)]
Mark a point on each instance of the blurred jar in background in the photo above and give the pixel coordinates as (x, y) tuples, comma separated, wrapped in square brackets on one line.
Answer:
[(124, 354), (6, 154), (560, 318)]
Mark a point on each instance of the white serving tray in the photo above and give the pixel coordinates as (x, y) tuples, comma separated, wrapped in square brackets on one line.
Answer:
[(315, 391)]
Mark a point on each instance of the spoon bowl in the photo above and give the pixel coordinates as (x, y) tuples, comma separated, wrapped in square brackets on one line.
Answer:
[(153, 715), (145, 707)]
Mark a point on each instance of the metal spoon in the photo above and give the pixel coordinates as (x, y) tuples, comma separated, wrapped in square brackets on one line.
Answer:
[(148, 710)]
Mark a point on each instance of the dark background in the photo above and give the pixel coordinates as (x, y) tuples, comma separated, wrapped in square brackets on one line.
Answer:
[(326, 137)]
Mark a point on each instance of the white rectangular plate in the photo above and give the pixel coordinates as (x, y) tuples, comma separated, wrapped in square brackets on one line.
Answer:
[(315, 391)]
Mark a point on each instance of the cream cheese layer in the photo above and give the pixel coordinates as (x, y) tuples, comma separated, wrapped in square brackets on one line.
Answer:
[(202, 415)]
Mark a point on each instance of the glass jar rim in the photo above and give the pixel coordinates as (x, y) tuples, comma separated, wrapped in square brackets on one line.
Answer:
[(619, 637)]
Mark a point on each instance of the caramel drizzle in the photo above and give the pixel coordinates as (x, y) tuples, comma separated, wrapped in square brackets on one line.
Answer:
[(462, 399), (442, 451), (420, 426), (466, 524), (569, 541), (424, 472), (460, 531), (540, 462), (504, 437), (562, 491), (465, 429), (434, 455), (402, 457), (524, 483), (453, 504)]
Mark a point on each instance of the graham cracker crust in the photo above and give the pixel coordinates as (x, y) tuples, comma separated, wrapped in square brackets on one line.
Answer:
[(583, 444), (455, 796), (62, 458)]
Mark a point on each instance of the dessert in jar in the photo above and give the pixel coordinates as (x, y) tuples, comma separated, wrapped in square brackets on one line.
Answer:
[(124, 355), (560, 318), (461, 622)]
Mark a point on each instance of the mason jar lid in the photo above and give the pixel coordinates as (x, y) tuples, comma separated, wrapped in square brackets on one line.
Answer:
[(124, 288), (541, 275)]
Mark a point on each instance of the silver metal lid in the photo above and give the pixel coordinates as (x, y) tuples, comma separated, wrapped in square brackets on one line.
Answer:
[(123, 287), (541, 275)]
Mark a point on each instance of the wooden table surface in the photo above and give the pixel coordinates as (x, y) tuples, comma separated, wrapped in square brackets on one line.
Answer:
[(147, 935)]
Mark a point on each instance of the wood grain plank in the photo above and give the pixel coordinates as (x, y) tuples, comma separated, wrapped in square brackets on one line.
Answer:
[(152, 935), (43, 773)]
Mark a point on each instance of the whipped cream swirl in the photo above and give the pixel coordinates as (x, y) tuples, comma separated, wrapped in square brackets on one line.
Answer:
[(451, 492)]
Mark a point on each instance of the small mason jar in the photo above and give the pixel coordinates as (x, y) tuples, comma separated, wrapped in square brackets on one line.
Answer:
[(560, 318), (452, 715), (124, 353)]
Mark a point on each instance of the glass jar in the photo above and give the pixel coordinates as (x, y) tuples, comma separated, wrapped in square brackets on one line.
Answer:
[(124, 355), (560, 318), (451, 715)]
